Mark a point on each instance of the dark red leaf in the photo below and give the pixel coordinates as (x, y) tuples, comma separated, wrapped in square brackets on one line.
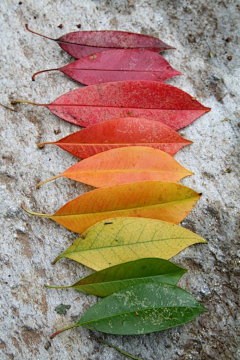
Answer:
[(148, 99), (118, 65), (83, 43), (120, 133)]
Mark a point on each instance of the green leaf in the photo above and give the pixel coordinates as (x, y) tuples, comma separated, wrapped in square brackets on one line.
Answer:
[(141, 309), (110, 280), (114, 241)]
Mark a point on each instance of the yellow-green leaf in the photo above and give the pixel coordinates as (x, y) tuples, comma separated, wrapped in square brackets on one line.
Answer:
[(114, 241), (165, 201)]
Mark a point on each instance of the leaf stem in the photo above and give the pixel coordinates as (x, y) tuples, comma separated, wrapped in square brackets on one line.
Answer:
[(26, 102), (45, 181), (41, 145), (36, 33), (33, 212), (56, 287), (42, 71), (55, 260), (116, 348), (62, 330)]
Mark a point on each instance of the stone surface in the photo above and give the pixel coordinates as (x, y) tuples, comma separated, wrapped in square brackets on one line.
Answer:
[(205, 34)]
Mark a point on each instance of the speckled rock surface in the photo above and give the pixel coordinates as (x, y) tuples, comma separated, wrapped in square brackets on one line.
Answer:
[(206, 36)]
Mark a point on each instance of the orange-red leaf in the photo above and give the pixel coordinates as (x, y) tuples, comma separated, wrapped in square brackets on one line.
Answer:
[(150, 199), (117, 133), (124, 165)]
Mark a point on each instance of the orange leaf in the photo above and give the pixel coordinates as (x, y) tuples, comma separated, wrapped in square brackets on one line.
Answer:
[(117, 133), (150, 199), (124, 165)]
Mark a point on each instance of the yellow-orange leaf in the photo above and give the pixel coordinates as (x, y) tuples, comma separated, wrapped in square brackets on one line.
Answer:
[(124, 165), (115, 241), (165, 201)]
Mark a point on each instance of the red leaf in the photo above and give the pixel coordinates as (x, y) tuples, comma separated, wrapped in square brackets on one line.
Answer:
[(148, 99), (118, 65), (120, 133), (83, 43)]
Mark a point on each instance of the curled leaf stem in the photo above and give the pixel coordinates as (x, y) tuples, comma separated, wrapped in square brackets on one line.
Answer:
[(42, 71), (45, 181), (36, 33), (33, 212)]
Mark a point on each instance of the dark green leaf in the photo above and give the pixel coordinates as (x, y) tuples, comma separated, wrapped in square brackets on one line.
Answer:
[(105, 282)]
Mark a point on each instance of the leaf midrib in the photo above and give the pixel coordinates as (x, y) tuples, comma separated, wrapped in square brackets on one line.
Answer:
[(127, 245), (129, 170), (125, 107), (124, 144), (102, 283), (119, 70), (125, 209), (145, 309)]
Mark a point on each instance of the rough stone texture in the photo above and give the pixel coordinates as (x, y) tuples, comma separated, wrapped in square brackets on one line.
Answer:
[(29, 244)]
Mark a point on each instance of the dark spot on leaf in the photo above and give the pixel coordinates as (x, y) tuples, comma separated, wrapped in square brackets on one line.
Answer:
[(60, 26), (79, 26), (107, 223)]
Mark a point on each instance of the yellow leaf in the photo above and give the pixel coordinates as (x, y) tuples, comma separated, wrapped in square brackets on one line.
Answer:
[(114, 241)]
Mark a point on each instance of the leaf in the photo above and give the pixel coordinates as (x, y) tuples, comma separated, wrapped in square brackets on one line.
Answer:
[(113, 241), (118, 65), (121, 132), (150, 199), (141, 309), (83, 43), (148, 99), (125, 165), (105, 282)]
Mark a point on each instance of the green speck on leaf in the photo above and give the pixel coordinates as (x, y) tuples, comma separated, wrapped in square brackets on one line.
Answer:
[(62, 309)]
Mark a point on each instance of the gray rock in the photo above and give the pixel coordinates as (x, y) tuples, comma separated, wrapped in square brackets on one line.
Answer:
[(205, 34)]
